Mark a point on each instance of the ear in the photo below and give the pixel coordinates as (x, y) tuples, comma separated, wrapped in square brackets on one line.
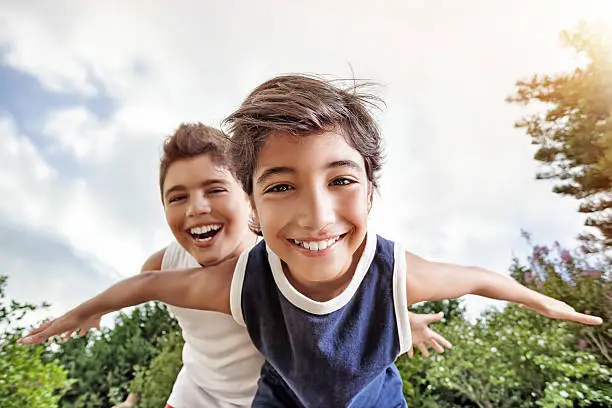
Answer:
[(252, 208), (254, 218), (370, 195)]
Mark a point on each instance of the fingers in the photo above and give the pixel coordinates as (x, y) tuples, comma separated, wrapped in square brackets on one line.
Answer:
[(561, 310), (442, 340), (432, 318), (40, 328), (436, 346), (35, 338), (37, 335), (583, 318), (58, 327), (69, 334), (435, 341), (423, 349)]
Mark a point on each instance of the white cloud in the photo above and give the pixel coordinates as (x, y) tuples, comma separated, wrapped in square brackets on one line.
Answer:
[(77, 131), (36, 197), (459, 180)]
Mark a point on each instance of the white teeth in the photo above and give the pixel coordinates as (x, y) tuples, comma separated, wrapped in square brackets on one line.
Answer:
[(205, 228), (317, 245)]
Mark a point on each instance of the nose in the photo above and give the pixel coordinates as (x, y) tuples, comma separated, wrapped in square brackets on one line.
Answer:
[(198, 205), (316, 209)]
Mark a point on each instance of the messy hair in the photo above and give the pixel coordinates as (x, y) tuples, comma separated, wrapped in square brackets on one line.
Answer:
[(301, 105)]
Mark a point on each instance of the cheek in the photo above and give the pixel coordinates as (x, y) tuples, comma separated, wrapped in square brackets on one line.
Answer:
[(236, 212), (174, 218), (355, 207), (268, 214)]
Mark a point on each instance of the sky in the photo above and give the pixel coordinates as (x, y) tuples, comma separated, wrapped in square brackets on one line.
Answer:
[(88, 90)]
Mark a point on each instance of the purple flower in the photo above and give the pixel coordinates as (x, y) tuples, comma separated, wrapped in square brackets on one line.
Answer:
[(540, 251), (592, 272), (566, 256)]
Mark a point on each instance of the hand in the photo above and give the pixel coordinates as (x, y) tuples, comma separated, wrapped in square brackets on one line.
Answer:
[(556, 309), (422, 335), (66, 326)]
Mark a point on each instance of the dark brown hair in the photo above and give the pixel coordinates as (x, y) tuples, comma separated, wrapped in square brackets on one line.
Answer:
[(190, 140), (302, 105)]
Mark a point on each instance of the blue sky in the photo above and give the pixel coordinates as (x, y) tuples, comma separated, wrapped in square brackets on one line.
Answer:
[(26, 101), (88, 92)]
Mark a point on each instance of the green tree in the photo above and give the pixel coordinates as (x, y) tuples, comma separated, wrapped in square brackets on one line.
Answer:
[(571, 276), (516, 358), (574, 132), (25, 379), (154, 383), (104, 365)]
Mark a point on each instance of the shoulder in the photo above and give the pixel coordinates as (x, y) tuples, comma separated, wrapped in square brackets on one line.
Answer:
[(154, 261)]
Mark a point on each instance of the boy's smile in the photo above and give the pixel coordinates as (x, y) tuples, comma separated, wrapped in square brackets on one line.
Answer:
[(317, 246), (311, 194), (204, 234)]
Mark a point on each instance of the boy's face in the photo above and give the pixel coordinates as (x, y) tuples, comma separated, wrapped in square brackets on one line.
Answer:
[(206, 209), (312, 197)]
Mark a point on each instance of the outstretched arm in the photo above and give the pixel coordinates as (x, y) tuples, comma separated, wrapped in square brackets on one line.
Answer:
[(153, 263), (189, 288), (427, 281)]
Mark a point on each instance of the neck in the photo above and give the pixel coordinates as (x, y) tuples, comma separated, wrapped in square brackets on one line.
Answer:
[(322, 291), (249, 239)]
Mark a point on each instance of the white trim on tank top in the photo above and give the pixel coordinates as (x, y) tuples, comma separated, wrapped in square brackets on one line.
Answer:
[(292, 294), (400, 299), (320, 308)]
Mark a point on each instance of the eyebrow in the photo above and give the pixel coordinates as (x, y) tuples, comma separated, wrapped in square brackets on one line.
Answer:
[(286, 169), (344, 163), (180, 187), (274, 171)]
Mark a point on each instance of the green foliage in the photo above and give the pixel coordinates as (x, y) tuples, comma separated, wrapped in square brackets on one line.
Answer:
[(569, 276), (417, 387), (154, 383), (516, 358), (25, 379), (510, 358), (574, 133), (103, 366)]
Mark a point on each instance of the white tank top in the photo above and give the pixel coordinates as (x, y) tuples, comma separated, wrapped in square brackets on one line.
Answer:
[(218, 356)]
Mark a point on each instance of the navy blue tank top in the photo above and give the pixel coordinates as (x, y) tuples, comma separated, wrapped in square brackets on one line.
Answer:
[(338, 353)]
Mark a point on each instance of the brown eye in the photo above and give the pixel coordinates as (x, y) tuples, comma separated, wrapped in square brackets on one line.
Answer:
[(176, 198), (342, 181), (279, 188)]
